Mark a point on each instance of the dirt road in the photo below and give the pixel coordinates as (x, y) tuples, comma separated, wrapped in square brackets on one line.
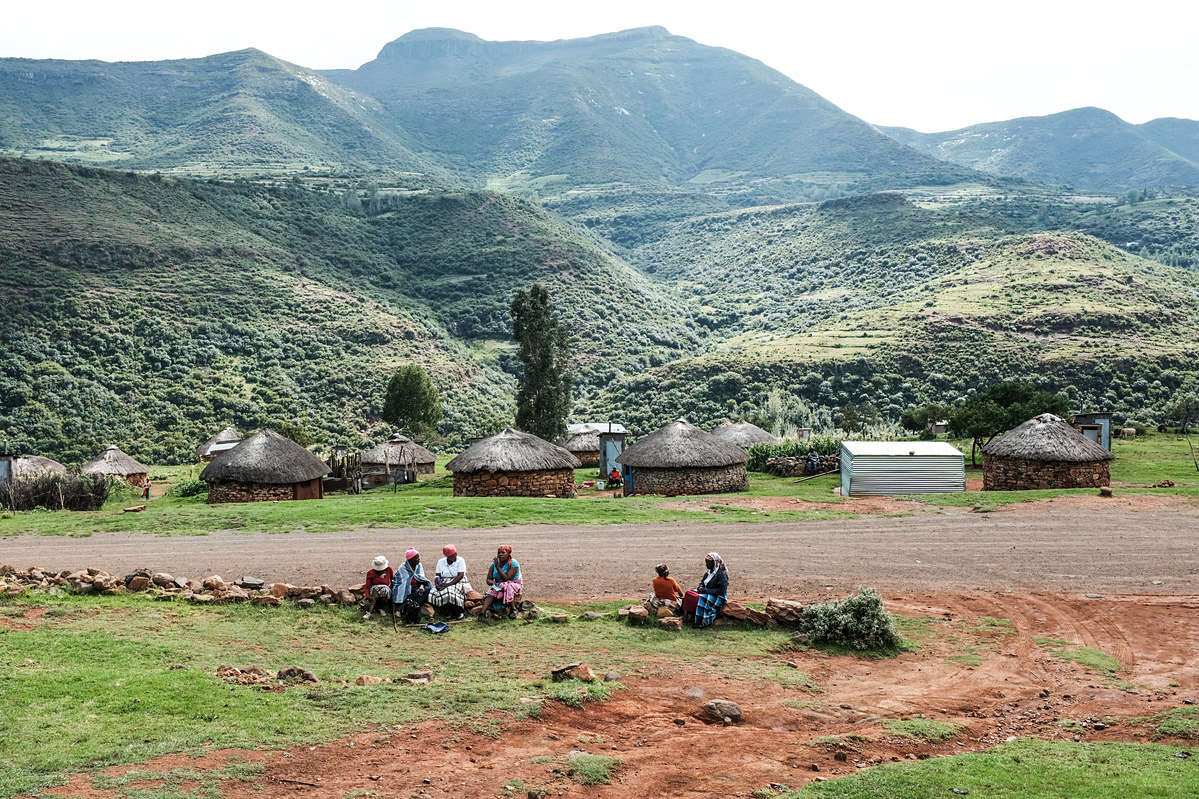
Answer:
[(1070, 546)]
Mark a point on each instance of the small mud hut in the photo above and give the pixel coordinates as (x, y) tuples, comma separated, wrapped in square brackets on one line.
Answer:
[(583, 443), (28, 466), (394, 460), (680, 458), (514, 464), (265, 467), (115, 463), (1044, 452), (744, 434), (221, 442)]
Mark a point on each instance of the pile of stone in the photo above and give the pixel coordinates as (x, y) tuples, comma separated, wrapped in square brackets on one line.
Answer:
[(778, 613), (796, 466), (256, 675)]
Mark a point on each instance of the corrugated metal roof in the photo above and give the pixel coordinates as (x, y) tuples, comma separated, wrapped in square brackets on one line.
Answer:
[(599, 427), (904, 448)]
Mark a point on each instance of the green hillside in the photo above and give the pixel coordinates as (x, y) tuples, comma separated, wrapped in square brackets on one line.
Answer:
[(1087, 148), (148, 311), (235, 113)]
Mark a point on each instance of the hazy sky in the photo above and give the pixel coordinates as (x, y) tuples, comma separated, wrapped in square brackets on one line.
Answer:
[(931, 65)]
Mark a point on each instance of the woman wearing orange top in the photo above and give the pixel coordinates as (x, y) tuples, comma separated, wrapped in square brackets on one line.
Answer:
[(667, 592)]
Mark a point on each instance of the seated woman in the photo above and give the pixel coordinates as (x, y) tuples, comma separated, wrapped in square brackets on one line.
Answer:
[(410, 588), (503, 581), (614, 478), (449, 583), (667, 593), (378, 585), (713, 591)]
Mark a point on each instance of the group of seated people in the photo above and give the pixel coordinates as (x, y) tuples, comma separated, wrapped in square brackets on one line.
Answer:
[(404, 591), (700, 606)]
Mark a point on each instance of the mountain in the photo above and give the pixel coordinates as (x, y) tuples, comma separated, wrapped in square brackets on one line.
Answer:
[(640, 106), (236, 113), (147, 311), (1087, 148)]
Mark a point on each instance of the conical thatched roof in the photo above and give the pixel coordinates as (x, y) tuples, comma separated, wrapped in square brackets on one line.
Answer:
[(398, 451), (681, 445), (33, 465), (265, 458), (584, 440), (226, 436), (744, 434), (113, 461), (513, 451), (1047, 438)]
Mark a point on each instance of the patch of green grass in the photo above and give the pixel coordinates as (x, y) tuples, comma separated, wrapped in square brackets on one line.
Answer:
[(987, 624), (851, 741), (541, 759), (180, 783), (1178, 722), (966, 659), (588, 769), (923, 729), (1026, 769), (1103, 663)]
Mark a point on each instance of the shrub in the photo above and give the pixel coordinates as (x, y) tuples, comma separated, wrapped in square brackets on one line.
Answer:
[(57, 492), (189, 488), (857, 622)]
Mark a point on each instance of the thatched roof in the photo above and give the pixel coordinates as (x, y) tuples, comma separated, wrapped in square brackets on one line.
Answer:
[(33, 465), (1047, 438), (585, 440), (226, 436), (113, 461), (265, 458), (681, 445), (397, 451), (743, 434), (513, 451)]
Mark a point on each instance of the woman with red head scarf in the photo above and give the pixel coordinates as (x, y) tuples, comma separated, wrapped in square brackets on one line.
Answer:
[(504, 583), (449, 583)]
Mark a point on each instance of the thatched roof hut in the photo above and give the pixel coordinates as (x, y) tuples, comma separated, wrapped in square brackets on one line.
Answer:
[(513, 463), (583, 443), (115, 463), (680, 458), (744, 434), (1044, 452), (33, 465), (210, 448), (265, 466), (396, 454)]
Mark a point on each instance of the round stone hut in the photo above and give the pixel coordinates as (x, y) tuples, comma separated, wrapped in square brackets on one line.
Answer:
[(265, 467), (395, 458), (514, 464), (1044, 452), (115, 463), (680, 458), (744, 434), (28, 466), (583, 443), (221, 442)]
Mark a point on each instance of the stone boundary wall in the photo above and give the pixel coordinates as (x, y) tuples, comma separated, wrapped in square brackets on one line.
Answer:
[(1019, 474), (591, 458), (248, 492), (547, 483), (794, 465), (673, 482)]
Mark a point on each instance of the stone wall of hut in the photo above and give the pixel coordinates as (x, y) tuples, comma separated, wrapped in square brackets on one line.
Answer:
[(1020, 474), (587, 457), (548, 483), (228, 491), (672, 482)]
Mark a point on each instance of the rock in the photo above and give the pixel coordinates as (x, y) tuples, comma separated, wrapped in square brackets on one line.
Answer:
[(638, 615), (181, 583), (162, 579), (326, 599), (582, 672), (266, 599), (213, 583), (177, 667), (612, 676), (1094, 596), (694, 693), (306, 603), (561, 672), (420, 675), (760, 618), (427, 612), (473, 596), (297, 674), (784, 611), (202, 599), (664, 612), (249, 582), (734, 610), (721, 709), (559, 618), (672, 624), (367, 679), (803, 639), (280, 590), (591, 615), (80, 587), (1105, 491), (346, 598), (680, 722), (624, 612)]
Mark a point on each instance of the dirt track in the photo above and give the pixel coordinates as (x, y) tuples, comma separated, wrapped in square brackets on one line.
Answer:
[(1076, 544)]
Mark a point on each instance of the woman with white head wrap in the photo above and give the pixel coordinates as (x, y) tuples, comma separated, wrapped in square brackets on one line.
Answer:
[(713, 590)]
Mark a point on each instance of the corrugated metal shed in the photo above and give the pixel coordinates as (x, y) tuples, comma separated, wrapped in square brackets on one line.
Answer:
[(883, 468)]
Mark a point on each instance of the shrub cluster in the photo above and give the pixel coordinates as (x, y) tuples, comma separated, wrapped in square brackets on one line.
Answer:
[(189, 488), (760, 453), (56, 492), (856, 622)]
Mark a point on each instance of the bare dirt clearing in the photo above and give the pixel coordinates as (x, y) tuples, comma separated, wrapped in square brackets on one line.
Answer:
[(1016, 689)]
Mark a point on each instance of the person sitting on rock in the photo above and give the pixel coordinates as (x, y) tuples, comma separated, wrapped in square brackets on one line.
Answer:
[(449, 583), (812, 464), (713, 591), (410, 589), (504, 583), (378, 585), (666, 594)]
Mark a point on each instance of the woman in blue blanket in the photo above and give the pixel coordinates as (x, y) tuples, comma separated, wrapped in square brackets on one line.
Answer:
[(410, 588), (713, 590)]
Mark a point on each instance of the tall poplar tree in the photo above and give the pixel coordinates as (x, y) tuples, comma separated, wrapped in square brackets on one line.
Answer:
[(543, 400)]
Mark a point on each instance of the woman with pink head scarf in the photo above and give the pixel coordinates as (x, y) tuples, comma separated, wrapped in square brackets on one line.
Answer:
[(449, 583)]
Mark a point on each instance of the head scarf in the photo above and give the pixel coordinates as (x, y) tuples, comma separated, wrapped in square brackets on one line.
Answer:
[(448, 550), (717, 565), (411, 553), (661, 569), (507, 550)]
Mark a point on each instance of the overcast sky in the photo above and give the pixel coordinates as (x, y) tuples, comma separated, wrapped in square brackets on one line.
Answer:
[(927, 64)]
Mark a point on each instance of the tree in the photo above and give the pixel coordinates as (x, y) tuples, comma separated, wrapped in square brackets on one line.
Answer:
[(543, 400), (410, 402), (1001, 407), (851, 420), (980, 419), (1185, 409), (922, 418)]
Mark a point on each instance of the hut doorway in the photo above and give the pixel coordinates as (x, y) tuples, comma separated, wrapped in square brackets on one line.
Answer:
[(313, 489)]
